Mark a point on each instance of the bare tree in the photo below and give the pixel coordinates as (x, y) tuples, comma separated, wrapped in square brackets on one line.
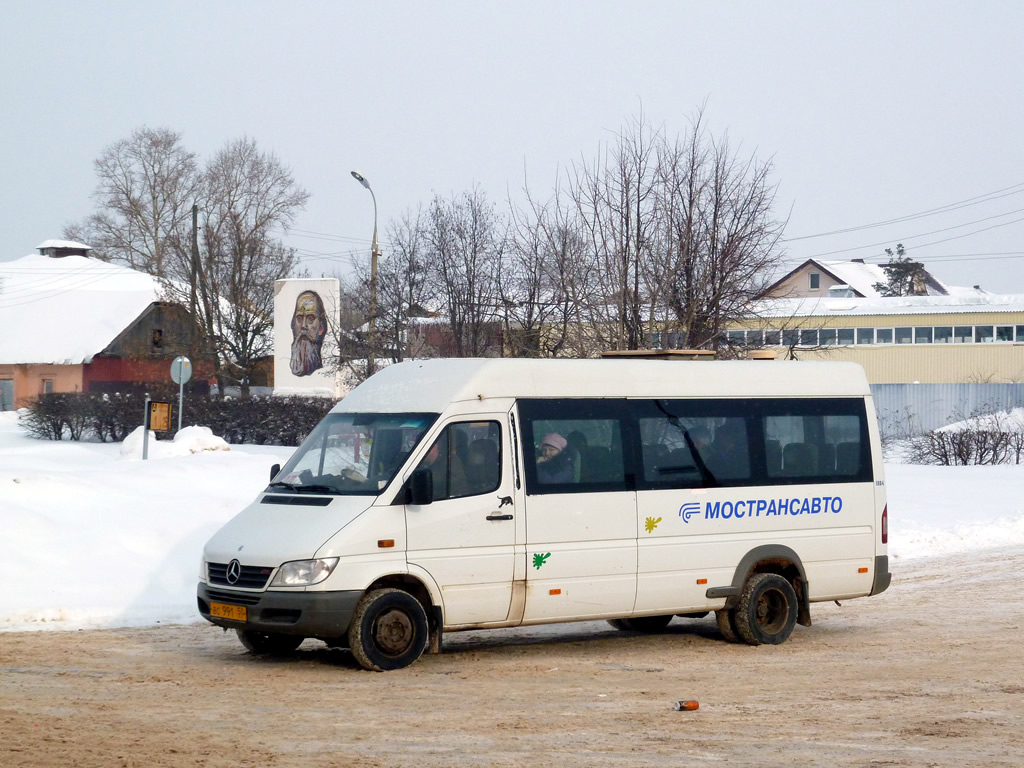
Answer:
[(542, 281), (247, 197), (347, 329), (724, 243), (147, 184), (466, 243), (616, 202), (402, 281)]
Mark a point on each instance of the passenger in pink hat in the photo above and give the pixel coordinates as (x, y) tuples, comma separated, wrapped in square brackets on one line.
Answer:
[(555, 464)]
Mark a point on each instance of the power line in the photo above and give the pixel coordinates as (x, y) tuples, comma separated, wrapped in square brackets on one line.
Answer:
[(327, 236), (973, 257), (933, 232), (948, 257), (987, 197)]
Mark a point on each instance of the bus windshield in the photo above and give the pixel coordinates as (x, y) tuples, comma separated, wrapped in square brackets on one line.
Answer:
[(352, 453)]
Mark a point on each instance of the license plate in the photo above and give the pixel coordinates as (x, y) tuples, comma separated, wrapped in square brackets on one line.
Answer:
[(225, 611)]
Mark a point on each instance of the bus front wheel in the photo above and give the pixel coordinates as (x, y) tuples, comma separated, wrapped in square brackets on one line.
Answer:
[(388, 630)]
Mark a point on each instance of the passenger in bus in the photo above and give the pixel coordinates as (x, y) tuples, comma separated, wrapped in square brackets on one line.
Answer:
[(727, 458), (482, 468), (556, 462), (449, 478)]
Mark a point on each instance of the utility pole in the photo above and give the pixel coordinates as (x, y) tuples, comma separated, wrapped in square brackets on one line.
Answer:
[(195, 263)]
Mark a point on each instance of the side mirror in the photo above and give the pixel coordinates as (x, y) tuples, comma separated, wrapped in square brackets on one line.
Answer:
[(421, 487), (273, 471)]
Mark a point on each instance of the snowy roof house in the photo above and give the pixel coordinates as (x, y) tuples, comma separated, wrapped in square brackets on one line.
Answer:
[(65, 309), (817, 278)]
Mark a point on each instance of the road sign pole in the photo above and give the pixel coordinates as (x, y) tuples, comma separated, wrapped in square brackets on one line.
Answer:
[(181, 371)]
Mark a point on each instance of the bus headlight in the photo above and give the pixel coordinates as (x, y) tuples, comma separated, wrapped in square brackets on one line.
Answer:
[(303, 573)]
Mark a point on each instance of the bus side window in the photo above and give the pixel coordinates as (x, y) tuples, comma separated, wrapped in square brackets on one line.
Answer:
[(465, 460), (584, 445), (814, 446)]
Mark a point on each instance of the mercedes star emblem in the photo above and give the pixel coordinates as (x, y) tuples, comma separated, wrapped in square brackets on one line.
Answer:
[(234, 571)]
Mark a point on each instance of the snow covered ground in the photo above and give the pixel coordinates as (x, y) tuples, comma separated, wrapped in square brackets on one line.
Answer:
[(91, 536)]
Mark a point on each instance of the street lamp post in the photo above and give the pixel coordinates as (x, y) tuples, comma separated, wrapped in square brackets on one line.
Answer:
[(374, 254)]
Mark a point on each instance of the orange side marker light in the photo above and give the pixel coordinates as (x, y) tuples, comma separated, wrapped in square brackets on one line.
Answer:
[(554, 591), (385, 543), (862, 570), (702, 581)]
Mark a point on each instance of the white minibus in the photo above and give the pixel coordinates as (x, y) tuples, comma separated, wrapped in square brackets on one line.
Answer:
[(447, 495)]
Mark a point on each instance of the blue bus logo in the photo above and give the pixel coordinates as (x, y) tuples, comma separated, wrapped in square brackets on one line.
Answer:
[(689, 510)]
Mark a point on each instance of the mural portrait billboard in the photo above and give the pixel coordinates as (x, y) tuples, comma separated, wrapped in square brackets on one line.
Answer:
[(305, 350), (309, 328)]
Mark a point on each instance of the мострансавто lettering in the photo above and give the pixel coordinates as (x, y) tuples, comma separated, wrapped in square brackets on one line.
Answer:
[(808, 505)]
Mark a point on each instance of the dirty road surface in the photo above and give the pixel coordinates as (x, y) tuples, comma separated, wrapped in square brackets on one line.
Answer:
[(931, 673)]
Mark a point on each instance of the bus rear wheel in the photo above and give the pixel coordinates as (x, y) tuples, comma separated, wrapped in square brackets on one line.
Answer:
[(767, 610), (726, 621)]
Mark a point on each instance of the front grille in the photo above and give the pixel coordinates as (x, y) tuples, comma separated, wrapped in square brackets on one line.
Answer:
[(251, 576), (234, 598)]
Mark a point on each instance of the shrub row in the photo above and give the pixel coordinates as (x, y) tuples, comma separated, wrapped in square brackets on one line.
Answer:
[(969, 446), (112, 417)]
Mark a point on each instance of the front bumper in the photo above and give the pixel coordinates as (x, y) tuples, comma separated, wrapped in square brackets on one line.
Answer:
[(309, 614)]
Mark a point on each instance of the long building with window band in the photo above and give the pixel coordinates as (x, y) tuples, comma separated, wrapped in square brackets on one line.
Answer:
[(901, 340)]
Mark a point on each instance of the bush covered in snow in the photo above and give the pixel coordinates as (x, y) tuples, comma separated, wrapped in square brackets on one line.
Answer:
[(113, 417)]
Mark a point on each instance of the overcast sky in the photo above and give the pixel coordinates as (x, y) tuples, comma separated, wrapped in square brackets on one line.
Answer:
[(872, 111)]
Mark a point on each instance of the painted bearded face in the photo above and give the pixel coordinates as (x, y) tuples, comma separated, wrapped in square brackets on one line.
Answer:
[(308, 331)]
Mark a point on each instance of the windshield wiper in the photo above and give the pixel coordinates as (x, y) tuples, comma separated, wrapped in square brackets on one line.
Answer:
[(304, 488), (314, 489)]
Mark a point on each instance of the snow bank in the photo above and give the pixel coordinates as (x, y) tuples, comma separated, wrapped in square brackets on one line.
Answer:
[(188, 440), (937, 511)]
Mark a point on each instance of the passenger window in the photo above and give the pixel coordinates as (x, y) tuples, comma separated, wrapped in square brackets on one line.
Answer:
[(576, 446), (812, 446), (465, 460), (667, 458), (692, 444), (578, 451), (725, 451)]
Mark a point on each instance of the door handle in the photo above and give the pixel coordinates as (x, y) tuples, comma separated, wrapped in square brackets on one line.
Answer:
[(499, 517)]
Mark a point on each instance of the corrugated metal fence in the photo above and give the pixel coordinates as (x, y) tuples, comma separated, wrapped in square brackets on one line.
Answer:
[(915, 408)]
